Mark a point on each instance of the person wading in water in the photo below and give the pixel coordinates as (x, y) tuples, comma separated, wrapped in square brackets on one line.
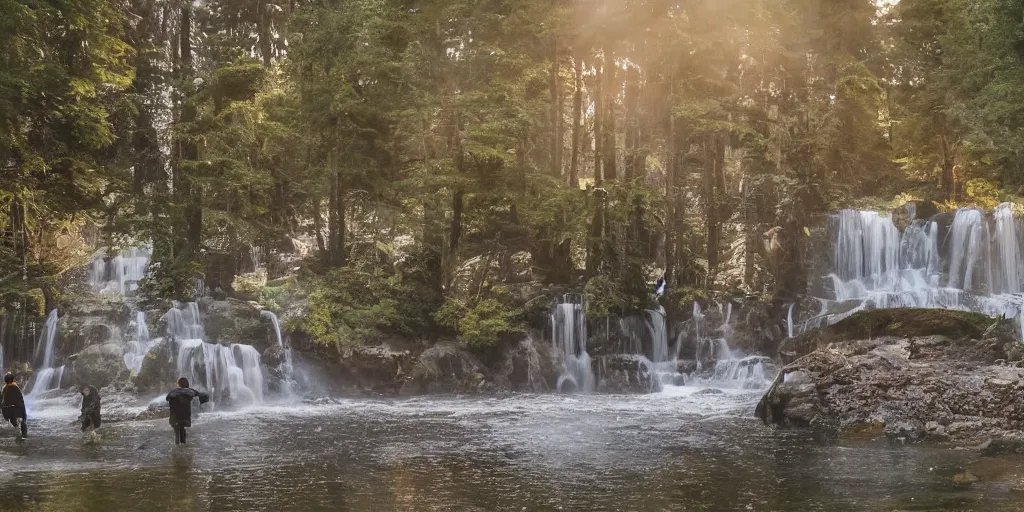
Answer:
[(90, 408), (12, 404), (181, 408)]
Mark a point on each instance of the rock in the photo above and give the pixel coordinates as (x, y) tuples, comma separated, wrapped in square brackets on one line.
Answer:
[(965, 478), (710, 391), (446, 367), (528, 366), (275, 361), (625, 374), (916, 384), (98, 365), (234, 321), (155, 411), (916, 323), (159, 369), (377, 369)]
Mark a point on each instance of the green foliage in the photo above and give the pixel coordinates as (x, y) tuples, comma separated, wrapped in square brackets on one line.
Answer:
[(606, 297), (482, 325), (250, 284), (351, 307)]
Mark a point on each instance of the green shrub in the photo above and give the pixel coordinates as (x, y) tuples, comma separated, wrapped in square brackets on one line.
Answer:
[(250, 284), (350, 307), (484, 324)]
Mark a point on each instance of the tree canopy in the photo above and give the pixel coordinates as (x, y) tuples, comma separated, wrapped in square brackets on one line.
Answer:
[(432, 149)]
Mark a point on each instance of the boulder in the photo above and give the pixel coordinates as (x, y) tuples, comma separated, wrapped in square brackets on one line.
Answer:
[(159, 369), (377, 369), (277, 363), (912, 383), (446, 367), (235, 321), (98, 365), (900, 323), (623, 373), (528, 366)]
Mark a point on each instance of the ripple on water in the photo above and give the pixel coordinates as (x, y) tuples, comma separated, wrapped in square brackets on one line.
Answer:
[(681, 449)]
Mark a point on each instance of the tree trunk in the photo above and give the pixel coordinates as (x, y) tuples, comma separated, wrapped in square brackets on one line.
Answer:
[(577, 114), (948, 179), (190, 190), (264, 32), (670, 187), (598, 124), (610, 164), (456, 230), (333, 223), (318, 230), (556, 113)]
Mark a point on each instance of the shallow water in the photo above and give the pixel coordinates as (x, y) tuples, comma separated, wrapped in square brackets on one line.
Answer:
[(677, 450)]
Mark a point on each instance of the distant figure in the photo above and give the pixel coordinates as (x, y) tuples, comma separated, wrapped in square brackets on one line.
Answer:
[(181, 408), (12, 404), (90, 408), (659, 290)]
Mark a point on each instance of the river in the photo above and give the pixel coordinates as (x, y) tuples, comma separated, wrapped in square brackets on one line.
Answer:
[(681, 449)]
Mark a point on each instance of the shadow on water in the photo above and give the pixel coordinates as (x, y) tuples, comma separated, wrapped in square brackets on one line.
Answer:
[(592, 453)]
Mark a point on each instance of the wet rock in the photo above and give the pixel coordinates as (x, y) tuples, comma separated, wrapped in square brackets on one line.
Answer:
[(235, 321), (528, 366), (275, 362), (446, 367), (156, 410), (159, 369), (97, 365), (625, 374), (377, 369), (908, 377), (965, 478), (710, 391), (914, 323)]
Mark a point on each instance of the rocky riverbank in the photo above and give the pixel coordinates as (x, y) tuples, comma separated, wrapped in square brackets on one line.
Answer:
[(946, 376)]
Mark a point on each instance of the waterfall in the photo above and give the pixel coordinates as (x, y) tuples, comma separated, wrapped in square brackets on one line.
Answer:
[(789, 321), (976, 266), (231, 373), (569, 336), (659, 335), (135, 352), (47, 377), (120, 274), (1009, 251), (277, 326), (286, 353), (970, 239)]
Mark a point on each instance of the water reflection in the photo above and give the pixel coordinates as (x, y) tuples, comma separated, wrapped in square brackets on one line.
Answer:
[(530, 452)]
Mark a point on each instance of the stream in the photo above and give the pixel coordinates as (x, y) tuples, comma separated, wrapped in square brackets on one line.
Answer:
[(682, 449)]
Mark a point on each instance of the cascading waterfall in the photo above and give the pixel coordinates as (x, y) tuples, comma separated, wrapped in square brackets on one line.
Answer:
[(1010, 267), (659, 336), (230, 373), (789, 321), (977, 265), (47, 378), (569, 336), (286, 352), (120, 274), (136, 350)]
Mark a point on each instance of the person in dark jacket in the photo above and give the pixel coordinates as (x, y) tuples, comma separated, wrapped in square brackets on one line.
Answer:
[(181, 408), (12, 404), (90, 408)]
